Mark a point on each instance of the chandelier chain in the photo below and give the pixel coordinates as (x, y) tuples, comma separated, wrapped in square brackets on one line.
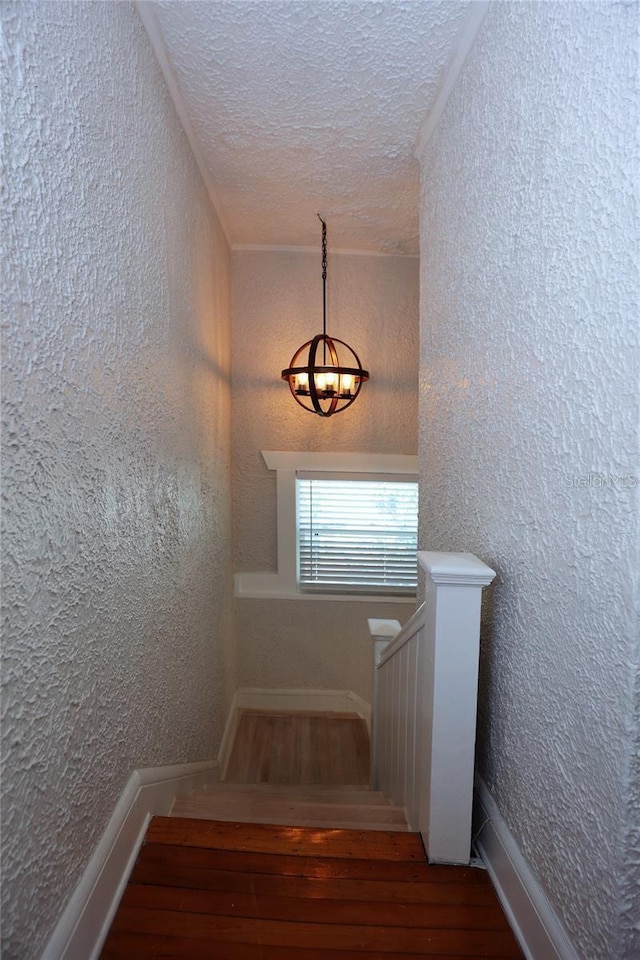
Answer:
[(324, 247), (324, 284)]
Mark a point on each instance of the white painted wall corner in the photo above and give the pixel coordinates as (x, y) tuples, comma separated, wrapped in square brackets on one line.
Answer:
[(538, 928), (83, 926)]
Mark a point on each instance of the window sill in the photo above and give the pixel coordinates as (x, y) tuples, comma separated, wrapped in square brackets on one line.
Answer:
[(245, 587)]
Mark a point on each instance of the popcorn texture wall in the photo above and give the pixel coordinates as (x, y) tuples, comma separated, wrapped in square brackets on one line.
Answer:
[(116, 446), (529, 386)]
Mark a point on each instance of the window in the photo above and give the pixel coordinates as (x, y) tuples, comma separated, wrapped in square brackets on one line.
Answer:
[(339, 514), (357, 535)]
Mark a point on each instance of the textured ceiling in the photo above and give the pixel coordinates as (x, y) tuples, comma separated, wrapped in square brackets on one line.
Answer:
[(307, 106)]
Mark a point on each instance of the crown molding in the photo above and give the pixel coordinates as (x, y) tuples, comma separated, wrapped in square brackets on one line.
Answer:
[(340, 251), (466, 39), (156, 39)]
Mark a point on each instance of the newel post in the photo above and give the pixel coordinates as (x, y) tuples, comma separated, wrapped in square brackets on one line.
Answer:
[(448, 707), (382, 632)]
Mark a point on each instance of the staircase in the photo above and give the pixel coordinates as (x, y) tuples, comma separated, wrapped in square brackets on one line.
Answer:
[(282, 870)]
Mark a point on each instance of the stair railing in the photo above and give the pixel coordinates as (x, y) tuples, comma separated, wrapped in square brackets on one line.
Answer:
[(425, 705)]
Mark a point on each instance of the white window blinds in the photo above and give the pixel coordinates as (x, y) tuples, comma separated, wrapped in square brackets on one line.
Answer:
[(357, 535)]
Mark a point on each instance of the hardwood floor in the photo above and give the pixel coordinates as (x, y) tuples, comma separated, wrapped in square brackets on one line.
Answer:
[(290, 748), (230, 891)]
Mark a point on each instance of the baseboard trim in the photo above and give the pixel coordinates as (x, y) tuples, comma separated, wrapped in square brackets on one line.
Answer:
[(538, 928), (228, 736), (321, 701), (83, 926)]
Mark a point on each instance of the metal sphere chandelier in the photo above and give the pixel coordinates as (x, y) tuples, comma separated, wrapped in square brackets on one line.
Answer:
[(325, 374)]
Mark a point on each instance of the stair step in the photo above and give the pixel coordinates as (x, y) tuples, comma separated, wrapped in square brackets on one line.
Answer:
[(324, 823), (286, 876), (265, 801), (264, 809), (239, 891), (289, 787), (296, 841), (299, 792)]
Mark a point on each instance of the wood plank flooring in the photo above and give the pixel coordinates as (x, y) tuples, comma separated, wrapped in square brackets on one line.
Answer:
[(292, 748), (230, 891)]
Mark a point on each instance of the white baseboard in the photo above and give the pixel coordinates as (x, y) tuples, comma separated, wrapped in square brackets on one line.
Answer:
[(83, 926), (538, 928), (321, 701), (311, 701), (228, 736)]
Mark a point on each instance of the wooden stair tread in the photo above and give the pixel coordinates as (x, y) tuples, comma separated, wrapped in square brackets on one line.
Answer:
[(314, 910), (298, 841), (334, 936), (218, 870), (283, 864), (126, 945), (327, 823), (208, 804), (299, 796), (307, 793)]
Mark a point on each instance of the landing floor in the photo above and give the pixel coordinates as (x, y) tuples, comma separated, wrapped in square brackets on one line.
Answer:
[(304, 748)]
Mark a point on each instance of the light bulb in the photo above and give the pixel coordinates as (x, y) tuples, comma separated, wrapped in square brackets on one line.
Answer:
[(346, 382), (301, 384)]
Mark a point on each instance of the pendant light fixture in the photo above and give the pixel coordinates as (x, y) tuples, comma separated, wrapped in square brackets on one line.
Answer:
[(325, 375)]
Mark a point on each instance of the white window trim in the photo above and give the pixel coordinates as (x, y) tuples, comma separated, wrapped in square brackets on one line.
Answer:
[(283, 584)]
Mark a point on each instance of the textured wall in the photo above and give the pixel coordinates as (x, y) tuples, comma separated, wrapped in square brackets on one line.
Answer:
[(308, 644), (529, 379), (277, 305), (116, 467)]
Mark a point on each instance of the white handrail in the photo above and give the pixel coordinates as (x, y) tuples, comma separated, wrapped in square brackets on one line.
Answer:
[(405, 635)]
